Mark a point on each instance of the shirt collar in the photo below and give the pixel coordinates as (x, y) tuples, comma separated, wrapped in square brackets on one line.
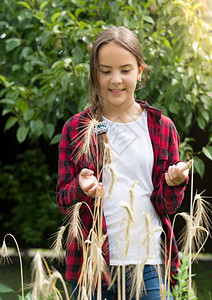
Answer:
[(156, 112)]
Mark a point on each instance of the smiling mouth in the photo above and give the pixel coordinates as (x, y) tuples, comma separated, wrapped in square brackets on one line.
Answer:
[(116, 90)]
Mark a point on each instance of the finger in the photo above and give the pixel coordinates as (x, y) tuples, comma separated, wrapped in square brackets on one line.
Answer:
[(181, 165), (172, 172), (181, 175), (168, 181), (174, 176), (96, 189), (92, 187), (182, 172), (89, 189), (101, 188), (86, 172)]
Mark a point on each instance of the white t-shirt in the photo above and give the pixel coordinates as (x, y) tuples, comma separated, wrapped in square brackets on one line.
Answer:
[(132, 163)]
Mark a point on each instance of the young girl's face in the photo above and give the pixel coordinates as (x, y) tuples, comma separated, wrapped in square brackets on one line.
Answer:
[(118, 73)]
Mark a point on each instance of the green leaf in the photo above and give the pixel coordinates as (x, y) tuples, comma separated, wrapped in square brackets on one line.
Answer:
[(199, 166), (28, 67), (16, 67), (188, 120), (5, 289), (99, 23), (174, 20), (205, 115), (49, 130), (22, 133), (56, 139), (12, 44), (6, 83), (148, 19), (25, 52), (207, 151), (55, 16), (36, 127), (27, 297), (173, 107), (6, 111), (38, 76), (28, 115), (22, 105), (79, 3), (43, 5), (201, 122), (25, 4), (78, 11), (78, 54), (167, 44), (7, 101), (196, 6), (10, 122), (206, 101)]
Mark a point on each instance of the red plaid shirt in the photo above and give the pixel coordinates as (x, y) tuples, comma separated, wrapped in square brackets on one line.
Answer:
[(166, 199)]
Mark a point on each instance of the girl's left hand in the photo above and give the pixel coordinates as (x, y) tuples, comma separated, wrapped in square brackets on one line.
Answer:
[(175, 176)]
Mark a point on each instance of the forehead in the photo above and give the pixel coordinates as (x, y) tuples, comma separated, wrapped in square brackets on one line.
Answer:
[(114, 55)]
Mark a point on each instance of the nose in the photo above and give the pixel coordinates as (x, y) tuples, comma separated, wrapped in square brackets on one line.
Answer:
[(116, 78)]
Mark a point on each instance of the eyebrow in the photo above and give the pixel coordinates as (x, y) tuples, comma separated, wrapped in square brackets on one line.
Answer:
[(122, 66)]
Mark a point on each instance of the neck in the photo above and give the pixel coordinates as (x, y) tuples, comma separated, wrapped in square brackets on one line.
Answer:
[(126, 114)]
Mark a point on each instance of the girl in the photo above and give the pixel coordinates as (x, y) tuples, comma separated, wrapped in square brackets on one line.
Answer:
[(141, 180)]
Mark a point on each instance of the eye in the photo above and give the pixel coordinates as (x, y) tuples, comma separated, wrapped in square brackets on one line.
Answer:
[(105, 72), (126, 71)]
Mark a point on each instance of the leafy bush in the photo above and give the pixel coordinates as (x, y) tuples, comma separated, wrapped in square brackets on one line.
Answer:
[(44, 61), (27, 195)]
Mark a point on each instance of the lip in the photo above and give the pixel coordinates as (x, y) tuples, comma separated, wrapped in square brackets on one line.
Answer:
[(116, 91)]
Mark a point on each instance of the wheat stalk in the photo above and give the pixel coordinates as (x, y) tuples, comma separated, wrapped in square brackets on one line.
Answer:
[(4, 255), (85, 141), (52, 286), (196, 226), (75, 227), (137, 280), (188, 165), (40, 278), (57, 245)]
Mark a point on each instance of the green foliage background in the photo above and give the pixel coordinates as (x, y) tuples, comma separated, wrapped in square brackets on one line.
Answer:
[(44, 67)]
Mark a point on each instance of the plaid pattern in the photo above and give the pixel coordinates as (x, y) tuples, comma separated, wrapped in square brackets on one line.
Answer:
[(166, 199)]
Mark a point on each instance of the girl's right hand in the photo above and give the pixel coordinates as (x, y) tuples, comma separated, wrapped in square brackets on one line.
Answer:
[(88, 182)]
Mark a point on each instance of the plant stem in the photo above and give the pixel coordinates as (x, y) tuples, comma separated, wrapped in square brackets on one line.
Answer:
[(190, 233), (20, 260)]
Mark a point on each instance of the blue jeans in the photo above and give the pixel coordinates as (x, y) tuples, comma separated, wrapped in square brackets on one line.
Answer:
[(151, 281)]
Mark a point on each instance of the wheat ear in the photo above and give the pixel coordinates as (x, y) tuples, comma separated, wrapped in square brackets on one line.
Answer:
[(57, 245), (85, 140), (4, 254), (52, 286), (40, 278)]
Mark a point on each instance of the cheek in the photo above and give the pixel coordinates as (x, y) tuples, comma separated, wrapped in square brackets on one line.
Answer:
[(103, 82), (133, 82)]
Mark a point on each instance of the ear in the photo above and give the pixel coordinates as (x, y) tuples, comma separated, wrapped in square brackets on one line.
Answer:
[(140, 71)]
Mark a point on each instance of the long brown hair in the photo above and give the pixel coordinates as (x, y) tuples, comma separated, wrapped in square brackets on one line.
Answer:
[(124, 38)]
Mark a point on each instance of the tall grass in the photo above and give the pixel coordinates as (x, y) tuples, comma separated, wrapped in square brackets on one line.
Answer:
[(94, 267)]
